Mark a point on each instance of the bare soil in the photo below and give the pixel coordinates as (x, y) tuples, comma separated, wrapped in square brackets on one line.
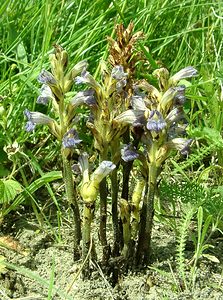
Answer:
[(44, 269)]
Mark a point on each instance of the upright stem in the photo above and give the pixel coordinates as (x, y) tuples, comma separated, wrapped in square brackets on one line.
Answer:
[(103, 211), (86, 234), (71, 197), (114, 190), (126, 169), (146, 219), (103, 219)]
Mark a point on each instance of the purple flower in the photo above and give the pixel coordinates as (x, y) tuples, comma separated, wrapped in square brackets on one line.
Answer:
[(35, 118), (118, 73), (129, 153), (71, 139), (87, 78), (187, 72), (84, 97), (155, 121), (179, 98), (46, 77)]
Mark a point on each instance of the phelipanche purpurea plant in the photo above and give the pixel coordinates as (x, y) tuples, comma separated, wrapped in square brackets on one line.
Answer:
[(129, 120), (55, 86)]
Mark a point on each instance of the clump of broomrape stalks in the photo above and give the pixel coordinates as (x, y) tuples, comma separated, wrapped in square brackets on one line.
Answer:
[(130, 120)]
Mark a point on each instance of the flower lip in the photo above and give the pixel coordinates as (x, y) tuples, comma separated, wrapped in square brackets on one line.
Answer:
[(129, 153), (155, 121), (30, 126), (45, 95), (118, 73), (71, 139)]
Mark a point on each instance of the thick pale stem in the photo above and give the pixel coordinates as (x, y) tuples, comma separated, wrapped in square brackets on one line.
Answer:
[(72, 200), (103, 212), (86, 233), (125, 217), (136, 198)]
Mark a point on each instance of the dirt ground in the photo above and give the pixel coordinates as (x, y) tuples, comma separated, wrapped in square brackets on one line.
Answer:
[(44, 269)]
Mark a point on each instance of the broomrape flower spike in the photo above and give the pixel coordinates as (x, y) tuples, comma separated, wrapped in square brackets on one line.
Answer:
[(35, 118)]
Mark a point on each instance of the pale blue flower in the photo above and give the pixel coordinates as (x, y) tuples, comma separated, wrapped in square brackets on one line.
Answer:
[(71, 139), (46, 77), (129, 153), (45, 95), (35, 118), (155, 121), (84, 97)]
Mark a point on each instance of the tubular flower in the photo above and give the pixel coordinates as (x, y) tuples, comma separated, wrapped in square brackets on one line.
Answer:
[(46, 77), (102, 171), (45, 95), (179, 98), (180, 144), (131, 117), (129, 153), (175, 115), (35, 118), (71, 139), (79, 67), (84, 97), (187, 72), (138, 102), (88, 79)]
